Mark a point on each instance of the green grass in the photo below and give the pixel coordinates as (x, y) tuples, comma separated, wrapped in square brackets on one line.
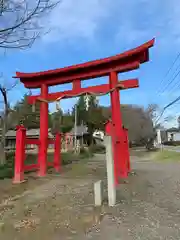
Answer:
[(166, 155), (7, 170), (97, 149), (78, 170)]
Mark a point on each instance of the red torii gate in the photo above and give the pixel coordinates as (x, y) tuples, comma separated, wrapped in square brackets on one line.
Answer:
[(127, 61)]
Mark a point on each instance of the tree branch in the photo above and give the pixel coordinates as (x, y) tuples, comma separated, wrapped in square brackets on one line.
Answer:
[(20, 21)]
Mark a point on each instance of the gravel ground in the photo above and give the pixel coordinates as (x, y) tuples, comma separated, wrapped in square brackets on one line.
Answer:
[(61, 207), (149, 206)]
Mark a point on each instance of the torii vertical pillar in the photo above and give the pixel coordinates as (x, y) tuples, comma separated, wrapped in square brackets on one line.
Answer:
[(43, 132), (20, 154), (117, 133)]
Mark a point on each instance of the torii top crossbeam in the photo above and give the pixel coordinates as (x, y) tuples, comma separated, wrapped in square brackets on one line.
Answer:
[(123, 62)]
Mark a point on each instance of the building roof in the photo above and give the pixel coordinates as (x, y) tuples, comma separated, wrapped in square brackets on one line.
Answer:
[(30, 133), (173, 129), (80, 130)]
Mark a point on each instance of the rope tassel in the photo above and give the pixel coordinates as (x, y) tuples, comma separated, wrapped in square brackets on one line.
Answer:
[(87, 94), (57, 106), (34, 108), (87, 101)]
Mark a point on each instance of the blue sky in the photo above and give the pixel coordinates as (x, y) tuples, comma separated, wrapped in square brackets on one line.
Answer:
[(84, 30)]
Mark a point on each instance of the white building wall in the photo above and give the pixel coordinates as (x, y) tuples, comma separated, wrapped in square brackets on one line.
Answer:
[(99, 134), (176, 136), (158, 136)]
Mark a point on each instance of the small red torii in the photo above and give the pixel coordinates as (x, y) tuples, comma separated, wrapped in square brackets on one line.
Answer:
[(127, 61)]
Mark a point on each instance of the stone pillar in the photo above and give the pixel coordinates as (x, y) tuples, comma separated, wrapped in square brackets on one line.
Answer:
[(98, 193), (110, 172)]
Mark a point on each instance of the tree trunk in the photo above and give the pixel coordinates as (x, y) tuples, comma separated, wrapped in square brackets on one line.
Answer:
[(2, 144), (4, 126)]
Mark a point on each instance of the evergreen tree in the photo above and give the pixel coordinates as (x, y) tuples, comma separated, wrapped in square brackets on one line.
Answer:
[(23, 114), (56, 121), (62, 122), (67, 122), (92, 116), (81, 111)]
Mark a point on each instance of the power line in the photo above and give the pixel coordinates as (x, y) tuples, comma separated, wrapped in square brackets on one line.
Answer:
[(167, 84), (174, 76), (167, 106), (172, 80), (163, 79), (176, 85)]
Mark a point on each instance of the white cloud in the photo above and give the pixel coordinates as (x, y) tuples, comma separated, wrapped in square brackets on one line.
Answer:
[(76, 19), (65, 105), (145, 19), (171, 115), (132, 21)]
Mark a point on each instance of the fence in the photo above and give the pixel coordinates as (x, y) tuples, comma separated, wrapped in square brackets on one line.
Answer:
[(20, 154)]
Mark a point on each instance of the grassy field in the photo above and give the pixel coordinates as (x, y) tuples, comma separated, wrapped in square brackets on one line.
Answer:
[(139, 152), (7, 170), (156, 155), (166, 155)]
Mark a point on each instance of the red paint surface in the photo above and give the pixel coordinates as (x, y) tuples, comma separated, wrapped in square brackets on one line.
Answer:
[(42, 157), (127, 150), (131, 83), (117, 136), (51, 141), (118, 63), (31, 167), (32, 141), (19, 155), (57, 152), (50, 164), (108, 127)]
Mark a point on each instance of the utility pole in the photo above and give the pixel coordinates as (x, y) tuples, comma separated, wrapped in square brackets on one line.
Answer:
[(75, 128), (82, 133)]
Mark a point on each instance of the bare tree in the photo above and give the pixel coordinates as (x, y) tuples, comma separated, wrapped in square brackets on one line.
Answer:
[(20, 23), (20, 26), (153, 111), (4, 118), (138, 122)]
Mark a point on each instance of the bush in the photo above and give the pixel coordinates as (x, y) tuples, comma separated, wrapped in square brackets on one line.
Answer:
[(68, 158), (7, 170), (97, 149), (172, 143), (83, 150), (85, 153), (166, 155)]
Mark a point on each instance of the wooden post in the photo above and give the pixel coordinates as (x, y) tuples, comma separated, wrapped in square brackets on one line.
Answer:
[(57, 152), (42, 161), (66, 141), (19, 155), (110, 172)]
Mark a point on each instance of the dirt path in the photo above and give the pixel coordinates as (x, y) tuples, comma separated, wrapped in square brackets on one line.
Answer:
[(61, 207), (52, 207)]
